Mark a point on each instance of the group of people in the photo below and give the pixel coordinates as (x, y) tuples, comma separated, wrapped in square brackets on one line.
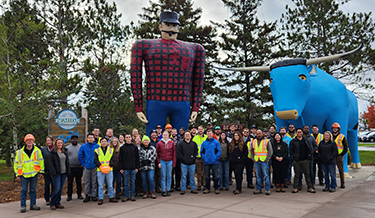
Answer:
[(169, 160)]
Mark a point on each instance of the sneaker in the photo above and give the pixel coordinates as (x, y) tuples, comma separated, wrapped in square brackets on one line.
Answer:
[(152, 195), (132, 198), (295, 190), (125, 199), (206, 191), (100, 202), (87, 199), (325, 189), (34, 207), (68, 198), (182, 192), (48, 203), (268, 192), (94, 199), (164, 194), (193, 192), (311, 190), (257, 191), (23, 209), (332, 190), (217, 191), (236, 192), (168, 193)]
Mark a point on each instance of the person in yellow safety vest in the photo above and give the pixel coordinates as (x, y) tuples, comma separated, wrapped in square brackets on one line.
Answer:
[(28, 166), (199, 163), (291, 133), (104, 163), (318, 138), (342, 147), (261, 153)]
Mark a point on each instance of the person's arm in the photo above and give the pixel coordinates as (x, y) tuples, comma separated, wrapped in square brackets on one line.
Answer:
[(153, 154), (96, 160), (179, 151), (41, 162), (195, 150), (285, 155), (136, 74), (291, 149), (137, 161), (270, 151), (81, 154), (111, 162), (345, 145), (335, 151), (203, 150), (68, 171), (273, 154), (120, 158), (52, 168), (157, 152), (218, 150), (198, 77)]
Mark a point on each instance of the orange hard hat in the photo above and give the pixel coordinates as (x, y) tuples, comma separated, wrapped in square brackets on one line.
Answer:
[(29, 137), (105, 169), (335, 125), (168, 126)]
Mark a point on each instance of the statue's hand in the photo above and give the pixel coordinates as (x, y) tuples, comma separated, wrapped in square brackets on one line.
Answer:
[(193, 116), (142, 117)]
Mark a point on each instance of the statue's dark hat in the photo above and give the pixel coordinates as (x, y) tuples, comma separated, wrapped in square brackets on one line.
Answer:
[(169, 17)]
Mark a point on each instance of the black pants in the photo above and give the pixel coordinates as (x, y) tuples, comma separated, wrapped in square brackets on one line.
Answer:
[(157, 176), (238, 173), (249, 171), (302, 166), (76, 172), (320, 171), (279, 170), (176, 180), (138, 183)]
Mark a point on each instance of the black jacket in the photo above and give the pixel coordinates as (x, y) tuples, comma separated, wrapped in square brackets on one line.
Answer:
[(238, 156), (96, 158), (47, 160), (55, 167), (327, 152), (279, 149), (294, 149), (129, 157), (187, 152)]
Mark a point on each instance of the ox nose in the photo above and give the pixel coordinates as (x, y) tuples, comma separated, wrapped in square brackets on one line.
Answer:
[(287, 115)]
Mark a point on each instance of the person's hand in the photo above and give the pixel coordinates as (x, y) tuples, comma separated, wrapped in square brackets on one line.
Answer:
[(193, 116), (159, 165), (142, 117), (265, 161), (40, 176), (136, 170), (122, 171), (18, 178), (280, 159)]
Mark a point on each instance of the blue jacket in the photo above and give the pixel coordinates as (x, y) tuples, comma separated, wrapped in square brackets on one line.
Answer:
[(86, 155), (210, 151)]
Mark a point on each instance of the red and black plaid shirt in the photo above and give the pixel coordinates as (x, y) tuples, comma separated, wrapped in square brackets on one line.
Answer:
[(173, 68)]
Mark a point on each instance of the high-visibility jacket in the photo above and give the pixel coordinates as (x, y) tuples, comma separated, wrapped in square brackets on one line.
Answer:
[(199, 140), (249, 144), (318, 138), (260, 151), (104, 159), (295, 134), (28, 166), (338, 140)]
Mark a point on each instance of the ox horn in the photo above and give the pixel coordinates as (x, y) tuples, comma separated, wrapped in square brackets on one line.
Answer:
[(333, 57), (253, 68)]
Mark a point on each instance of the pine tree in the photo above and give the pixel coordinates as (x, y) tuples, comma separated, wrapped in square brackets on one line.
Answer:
[(190, 31), (247, 41), (320, 28)]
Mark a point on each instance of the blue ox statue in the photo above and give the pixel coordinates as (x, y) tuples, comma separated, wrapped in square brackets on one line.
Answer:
[(303, 94)]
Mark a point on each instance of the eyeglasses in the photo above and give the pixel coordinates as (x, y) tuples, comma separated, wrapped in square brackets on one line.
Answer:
[(245, 132)]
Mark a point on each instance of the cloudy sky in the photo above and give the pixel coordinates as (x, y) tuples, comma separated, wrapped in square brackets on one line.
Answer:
[(214, 10)]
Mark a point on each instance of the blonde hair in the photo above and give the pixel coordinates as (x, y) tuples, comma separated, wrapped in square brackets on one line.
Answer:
[(330, 134), (117, 147)]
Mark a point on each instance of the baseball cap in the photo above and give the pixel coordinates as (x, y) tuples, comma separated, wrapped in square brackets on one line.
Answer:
[(218, 127), (158, 127), (153, 131), (265, 130), (253, 127)]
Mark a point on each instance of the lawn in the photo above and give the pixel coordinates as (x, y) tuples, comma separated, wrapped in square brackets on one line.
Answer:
[(367, 157), (365, 144), (6, 173)]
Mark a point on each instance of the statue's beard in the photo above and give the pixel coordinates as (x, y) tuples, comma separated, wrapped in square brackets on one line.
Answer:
[(170, 32)]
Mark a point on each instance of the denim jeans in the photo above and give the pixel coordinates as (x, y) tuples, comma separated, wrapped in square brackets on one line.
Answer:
[(165, 175), (148, 175), (185, 171), (262, 170), (129, 174), (329, 171), (215, 172), (117, 178), (58, 185), (48, 187), (223, 173), (108, 178), (288, 175), (32, 193)]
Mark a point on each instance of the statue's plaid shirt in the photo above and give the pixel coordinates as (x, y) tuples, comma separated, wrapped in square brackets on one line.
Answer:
[(174, 71)]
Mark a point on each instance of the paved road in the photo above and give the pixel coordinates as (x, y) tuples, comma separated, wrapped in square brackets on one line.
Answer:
[(356, 200)]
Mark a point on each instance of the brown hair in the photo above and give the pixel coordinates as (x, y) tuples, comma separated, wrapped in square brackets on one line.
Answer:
[(50, 137), (233, 143), (55, 145), (117, 147)]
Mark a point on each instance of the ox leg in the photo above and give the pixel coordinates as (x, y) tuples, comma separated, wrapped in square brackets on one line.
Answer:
[(353, 147)]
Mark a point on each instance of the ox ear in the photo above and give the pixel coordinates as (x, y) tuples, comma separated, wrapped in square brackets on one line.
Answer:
[(312, 70)]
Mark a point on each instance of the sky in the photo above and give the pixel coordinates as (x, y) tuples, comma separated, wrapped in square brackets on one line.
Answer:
[(214, 10)]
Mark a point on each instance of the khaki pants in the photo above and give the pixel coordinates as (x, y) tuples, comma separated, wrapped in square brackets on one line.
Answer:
[(199, 166), (340, 166)]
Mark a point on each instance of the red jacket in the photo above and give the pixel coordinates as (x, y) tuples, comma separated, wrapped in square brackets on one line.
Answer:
[(166, 152)]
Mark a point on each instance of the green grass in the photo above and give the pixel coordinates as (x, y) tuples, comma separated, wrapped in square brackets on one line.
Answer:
[(367, 157), (6, 173), (366, 144)]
